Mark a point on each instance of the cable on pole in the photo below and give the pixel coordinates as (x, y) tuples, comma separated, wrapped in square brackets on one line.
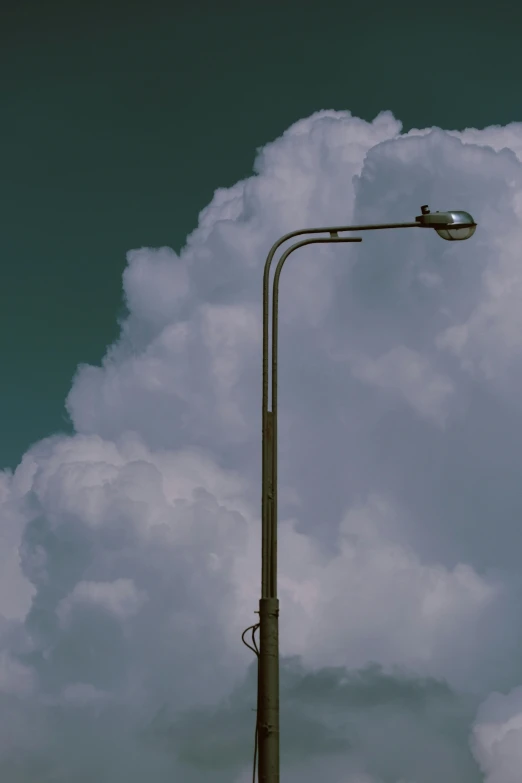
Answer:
[(255, 650)]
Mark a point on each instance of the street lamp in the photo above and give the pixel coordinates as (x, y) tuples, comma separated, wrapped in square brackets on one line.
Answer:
[(448, 225), (453, 225)]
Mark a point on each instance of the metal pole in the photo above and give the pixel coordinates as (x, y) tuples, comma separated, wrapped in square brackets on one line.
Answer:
[(268, 675)]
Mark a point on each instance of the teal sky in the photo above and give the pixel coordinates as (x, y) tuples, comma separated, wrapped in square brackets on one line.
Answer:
[(119, 122)]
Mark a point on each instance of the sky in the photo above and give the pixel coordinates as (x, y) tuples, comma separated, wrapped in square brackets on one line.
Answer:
[(151, 160)]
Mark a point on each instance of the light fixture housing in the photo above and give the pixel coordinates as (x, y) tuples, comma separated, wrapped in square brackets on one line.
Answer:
[(452, 225)]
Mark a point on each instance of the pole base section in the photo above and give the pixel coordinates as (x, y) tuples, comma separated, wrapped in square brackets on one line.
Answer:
[(268, 691)]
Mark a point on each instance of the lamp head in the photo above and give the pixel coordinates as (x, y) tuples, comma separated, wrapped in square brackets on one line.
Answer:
[(448, 225)]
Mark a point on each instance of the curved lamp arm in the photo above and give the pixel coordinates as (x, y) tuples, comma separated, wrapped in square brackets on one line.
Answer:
[(332, 230), (269, 440), (448, 225)]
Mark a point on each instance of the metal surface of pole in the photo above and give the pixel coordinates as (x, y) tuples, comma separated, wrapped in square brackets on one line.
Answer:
[(268, 582), (268, 673)]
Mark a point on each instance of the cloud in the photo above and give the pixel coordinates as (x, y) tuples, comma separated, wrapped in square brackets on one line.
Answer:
[(497, 736), (407, 373), (119, 598), (346, 726), (376, 601), (130, 557), (15, 591)]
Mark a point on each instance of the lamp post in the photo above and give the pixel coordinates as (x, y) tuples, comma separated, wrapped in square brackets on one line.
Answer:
[(450, 226)]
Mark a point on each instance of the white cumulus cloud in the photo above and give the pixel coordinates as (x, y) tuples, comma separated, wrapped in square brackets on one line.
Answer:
[(130, 551), (497, 737)]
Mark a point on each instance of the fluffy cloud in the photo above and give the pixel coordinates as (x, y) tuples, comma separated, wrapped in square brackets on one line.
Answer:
[(410, 376), (130, 558), (497, 737)]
